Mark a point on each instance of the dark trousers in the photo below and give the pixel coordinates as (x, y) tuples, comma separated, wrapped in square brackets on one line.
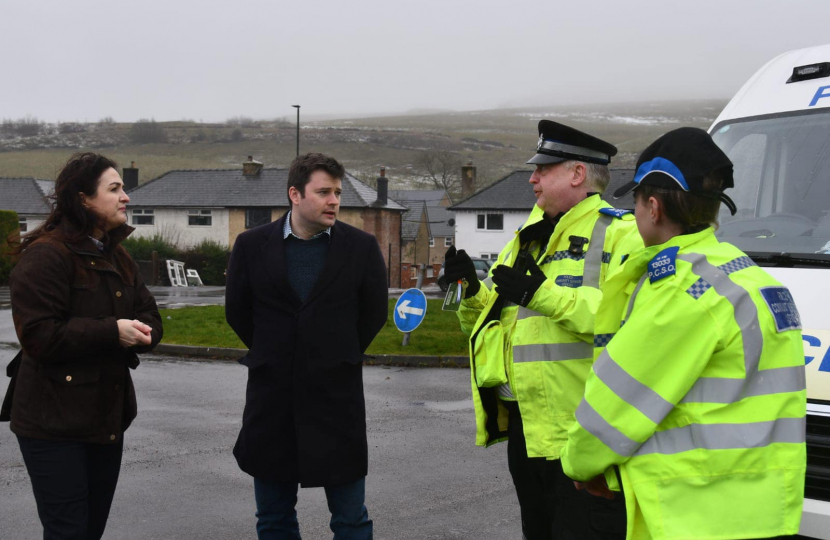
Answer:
[(73, 484), (551, 506), (277, 517)]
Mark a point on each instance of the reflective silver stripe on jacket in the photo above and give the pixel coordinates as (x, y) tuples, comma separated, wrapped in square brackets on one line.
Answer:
[(755, 383), (597, 426), (593, 257), (552, 352), (634, 297), (630, 390), (725, 436)]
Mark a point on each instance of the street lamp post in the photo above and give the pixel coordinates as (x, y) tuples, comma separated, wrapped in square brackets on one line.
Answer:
[(298, 128)]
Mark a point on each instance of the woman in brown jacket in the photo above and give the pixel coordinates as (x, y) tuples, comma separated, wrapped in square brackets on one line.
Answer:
[(81, 312)]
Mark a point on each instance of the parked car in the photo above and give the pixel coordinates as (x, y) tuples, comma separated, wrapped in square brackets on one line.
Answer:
[(482, 267)]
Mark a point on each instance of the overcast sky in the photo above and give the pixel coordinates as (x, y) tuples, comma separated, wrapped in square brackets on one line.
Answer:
[(210, 60)]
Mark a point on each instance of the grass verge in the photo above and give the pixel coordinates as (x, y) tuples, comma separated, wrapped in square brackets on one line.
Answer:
[(439, 333)]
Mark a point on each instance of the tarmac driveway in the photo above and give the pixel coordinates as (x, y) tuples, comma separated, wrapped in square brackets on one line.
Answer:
[(179, 479)]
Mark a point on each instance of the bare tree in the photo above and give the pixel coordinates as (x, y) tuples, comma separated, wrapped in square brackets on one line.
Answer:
[(442, 168)]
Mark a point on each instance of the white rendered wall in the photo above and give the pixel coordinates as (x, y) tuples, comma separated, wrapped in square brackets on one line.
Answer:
[(172, 224), (476, 242)]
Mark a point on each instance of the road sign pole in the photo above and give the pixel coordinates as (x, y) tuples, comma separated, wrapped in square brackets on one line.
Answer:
[(418, 285)]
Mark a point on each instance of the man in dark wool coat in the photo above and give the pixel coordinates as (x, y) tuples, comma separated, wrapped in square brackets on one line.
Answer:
[(307, 294)]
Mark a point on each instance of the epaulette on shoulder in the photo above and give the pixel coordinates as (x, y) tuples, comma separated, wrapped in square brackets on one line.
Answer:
[(615, 212)]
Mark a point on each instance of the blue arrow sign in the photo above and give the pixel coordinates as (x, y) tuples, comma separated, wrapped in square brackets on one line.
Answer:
[(410, 310)]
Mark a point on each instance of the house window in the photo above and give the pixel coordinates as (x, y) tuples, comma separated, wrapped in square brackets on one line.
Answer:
[(432, 242), (448, 241), (143, 216), (22, 223), (490, 222), (254, 217), (199, 218), (490, 256)]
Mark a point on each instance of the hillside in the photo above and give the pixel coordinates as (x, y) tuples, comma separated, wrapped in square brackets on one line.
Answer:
[(497, 141)]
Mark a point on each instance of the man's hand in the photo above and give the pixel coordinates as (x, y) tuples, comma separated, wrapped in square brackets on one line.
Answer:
[(458, 266), (132, 332), (515, 286), (597, 487)]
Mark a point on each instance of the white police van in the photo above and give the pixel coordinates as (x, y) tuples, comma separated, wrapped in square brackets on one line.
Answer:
[(776, 130)]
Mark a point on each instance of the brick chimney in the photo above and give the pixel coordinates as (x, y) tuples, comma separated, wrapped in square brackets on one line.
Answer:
[(251, 167), (468, 180), (383, 188), (130, 176)]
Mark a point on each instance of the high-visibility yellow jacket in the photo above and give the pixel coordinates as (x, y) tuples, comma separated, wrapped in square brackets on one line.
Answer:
[(548, 346), (699, 397)]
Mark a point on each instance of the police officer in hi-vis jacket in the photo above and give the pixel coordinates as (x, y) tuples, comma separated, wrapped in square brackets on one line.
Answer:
[(696, 404), (531, 327)]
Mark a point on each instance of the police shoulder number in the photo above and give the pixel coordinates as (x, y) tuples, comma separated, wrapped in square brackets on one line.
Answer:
[(663, 265)]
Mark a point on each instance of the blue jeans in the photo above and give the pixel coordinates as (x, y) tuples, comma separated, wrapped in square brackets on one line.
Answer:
[(277, 517)]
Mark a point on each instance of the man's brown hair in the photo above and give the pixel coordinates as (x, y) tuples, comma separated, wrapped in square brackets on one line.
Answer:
[(302, 167)]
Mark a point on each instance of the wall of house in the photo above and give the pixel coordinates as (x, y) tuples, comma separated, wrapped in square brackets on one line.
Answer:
[(236, 222), (172, 224), (33, 221), (386, 226), (436, 253), (477, 242)]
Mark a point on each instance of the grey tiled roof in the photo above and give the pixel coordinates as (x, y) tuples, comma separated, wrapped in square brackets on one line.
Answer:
[(23, 196), (229, 188), (411, 221), (510, 193), (438, 217), (514, 193), (432, 197)]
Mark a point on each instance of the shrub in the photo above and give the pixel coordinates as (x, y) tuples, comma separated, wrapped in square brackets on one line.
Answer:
[(141, 248), (147, 131), (9, 230), (210, 259)]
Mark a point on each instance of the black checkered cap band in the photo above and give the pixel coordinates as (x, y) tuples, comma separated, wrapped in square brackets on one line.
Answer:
[(578, 153)]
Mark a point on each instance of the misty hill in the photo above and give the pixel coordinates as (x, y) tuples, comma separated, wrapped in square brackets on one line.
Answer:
[(497, 141)]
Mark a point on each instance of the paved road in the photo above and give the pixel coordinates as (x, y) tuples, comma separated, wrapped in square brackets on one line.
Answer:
[(179, 480)]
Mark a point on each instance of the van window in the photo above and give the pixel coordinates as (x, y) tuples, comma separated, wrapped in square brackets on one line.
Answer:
[(782, 184)]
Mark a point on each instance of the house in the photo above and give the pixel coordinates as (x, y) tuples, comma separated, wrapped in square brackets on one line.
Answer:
[(486, 221), (27, 197), (431, 208), (425, 231), (188, 207)]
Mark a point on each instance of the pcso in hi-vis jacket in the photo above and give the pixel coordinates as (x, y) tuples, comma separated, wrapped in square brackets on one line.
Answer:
[(697, 403), (532, 323)]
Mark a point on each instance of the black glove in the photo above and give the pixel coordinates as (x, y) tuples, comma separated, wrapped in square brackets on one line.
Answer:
[(457, 266), (517, 286)]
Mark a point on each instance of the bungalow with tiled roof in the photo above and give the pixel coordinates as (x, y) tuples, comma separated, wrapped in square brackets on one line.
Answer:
[(27, 197), (188, 207)]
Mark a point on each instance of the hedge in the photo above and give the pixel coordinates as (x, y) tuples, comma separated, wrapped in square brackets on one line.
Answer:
[(9, 229)]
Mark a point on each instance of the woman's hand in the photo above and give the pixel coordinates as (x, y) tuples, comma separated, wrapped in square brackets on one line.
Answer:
[(132, 332)]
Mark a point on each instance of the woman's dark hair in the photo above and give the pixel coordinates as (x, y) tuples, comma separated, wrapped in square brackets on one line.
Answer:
[(693, 211), (301, 168), (69, 219)]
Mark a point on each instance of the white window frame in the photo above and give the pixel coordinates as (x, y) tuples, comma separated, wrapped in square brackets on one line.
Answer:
[(143, 212), (487, 222), (447, 241), (432, 242), (200, 213), (22, 224)]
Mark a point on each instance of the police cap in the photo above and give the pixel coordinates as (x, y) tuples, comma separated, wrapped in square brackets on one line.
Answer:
[(681, 159), (558, 143)]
